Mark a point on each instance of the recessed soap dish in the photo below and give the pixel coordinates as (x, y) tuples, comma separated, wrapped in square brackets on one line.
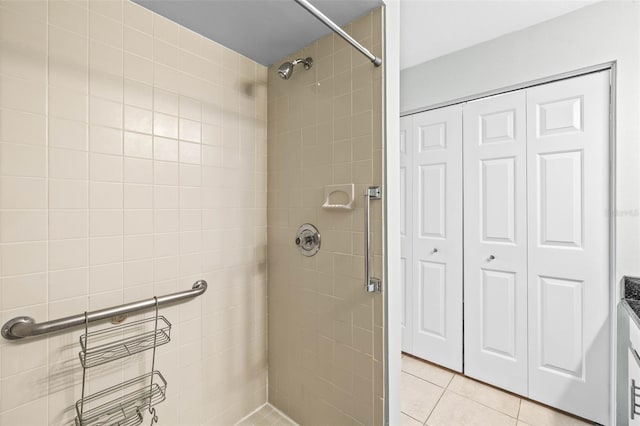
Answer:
[(340, 197)]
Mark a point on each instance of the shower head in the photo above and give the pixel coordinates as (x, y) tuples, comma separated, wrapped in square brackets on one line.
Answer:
[(286, 69)]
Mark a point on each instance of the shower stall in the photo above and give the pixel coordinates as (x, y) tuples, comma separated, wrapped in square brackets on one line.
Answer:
[(148, 172)]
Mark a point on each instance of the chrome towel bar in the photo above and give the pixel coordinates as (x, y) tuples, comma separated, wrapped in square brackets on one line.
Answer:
[(20, 327), (371, 283)]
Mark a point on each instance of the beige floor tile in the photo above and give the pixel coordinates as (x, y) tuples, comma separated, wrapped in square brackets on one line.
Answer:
[(454, 409), (408, 421), (539, 415), (522, 423), (486, 395), (426, 371), (418, 397)]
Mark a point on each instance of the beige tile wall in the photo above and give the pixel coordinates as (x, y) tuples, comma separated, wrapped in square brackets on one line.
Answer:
[(132, 163), (325, 333)]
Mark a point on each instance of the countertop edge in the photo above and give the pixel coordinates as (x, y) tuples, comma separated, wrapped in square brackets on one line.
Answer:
[(632, 313)]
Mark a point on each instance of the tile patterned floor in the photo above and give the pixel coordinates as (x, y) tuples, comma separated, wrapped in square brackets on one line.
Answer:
[(267, 416), (433, 396)]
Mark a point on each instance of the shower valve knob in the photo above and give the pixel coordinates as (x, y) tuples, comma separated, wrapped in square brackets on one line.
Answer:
[(308, 239)]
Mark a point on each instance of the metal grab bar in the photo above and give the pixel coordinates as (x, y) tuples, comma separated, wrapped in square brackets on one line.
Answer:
[(20, 327), (329, 23), (371, 284)]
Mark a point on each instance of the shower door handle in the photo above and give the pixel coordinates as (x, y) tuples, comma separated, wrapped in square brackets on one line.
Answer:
[(371, 284)]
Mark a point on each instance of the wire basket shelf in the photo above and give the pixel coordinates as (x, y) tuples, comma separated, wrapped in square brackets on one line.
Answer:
[(121, 341), (122, 404)]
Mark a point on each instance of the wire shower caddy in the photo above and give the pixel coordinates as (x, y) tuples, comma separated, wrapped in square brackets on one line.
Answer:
[(124, 403)]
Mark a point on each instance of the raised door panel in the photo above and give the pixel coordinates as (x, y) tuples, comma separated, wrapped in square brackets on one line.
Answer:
[(498, 319), (431, 136), (560, 320), (560, 206), (568, 193), (432, 283), (437, 236), (432, 200), (497, 184), (406, 234), (495, 241)]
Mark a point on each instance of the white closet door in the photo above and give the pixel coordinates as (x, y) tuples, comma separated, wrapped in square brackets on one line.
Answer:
[(568, 191), (495, 241), (406, 236), (437, 236)]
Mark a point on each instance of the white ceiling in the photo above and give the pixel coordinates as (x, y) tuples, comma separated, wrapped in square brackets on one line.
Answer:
[(433, 28)]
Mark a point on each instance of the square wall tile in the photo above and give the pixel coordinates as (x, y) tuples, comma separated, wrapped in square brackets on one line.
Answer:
[(23, 258), (23, 225), (23, 128), (22, 160)]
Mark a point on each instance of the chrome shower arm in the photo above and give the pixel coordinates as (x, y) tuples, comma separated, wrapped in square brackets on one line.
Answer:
[(306, 62)]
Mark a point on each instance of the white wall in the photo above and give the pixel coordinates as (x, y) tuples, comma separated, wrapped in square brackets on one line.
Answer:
[(606, 31)]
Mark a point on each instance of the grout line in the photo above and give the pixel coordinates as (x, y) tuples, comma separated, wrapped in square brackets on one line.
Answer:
[(277, 410), (87, 150), (451, 380), (48, 367), (251, 414), (425, 380), (484, 405), (435, 406), (446, 388), (519, 407), (121, 156), (408, 415)]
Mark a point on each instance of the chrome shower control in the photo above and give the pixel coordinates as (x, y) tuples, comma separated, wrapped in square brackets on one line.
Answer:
[(308, 239)]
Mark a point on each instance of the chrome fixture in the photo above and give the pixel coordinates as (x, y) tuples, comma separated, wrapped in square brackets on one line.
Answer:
[(20, 327), (329, 23), (308, 240), (286, 69), (371, 284)]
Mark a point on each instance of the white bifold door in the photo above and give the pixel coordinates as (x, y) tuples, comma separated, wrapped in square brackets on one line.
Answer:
[(536, 241), (495, 241), (432, 245), (568, 208), (532, 167)]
